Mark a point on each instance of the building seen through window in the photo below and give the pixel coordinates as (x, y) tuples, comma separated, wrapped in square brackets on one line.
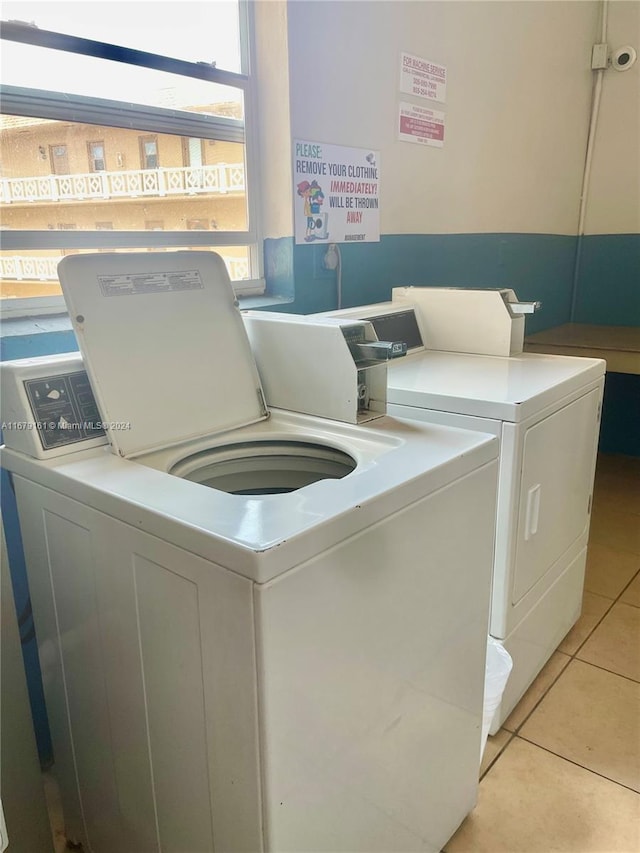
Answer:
[(96, 156), (107, 183)]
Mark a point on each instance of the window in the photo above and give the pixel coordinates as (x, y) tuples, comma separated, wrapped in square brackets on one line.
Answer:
[(192, 153), (148, 152), (175, 118), (96, 157)]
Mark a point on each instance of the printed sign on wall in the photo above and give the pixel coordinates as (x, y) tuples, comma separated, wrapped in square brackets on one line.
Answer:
[(336, 193), (423, 78), (420, 125)]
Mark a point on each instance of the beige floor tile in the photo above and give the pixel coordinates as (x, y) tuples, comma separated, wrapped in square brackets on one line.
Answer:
[(609, 570), (534, 802), (591, 717), (617, 465), (619, 530), (618, 486), (593, 609), (624, 497), (494, 747), (615, 643), (547, 675), (632, 594)]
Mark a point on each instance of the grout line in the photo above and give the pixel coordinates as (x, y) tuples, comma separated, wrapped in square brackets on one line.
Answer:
[(613, 601), (574, 656), (517, 729), (576, 764), (627, 587), (595, 627), (499, 755), (604, 669)]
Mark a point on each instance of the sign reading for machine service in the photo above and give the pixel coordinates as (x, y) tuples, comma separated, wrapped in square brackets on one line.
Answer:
[(336, 193), (420, 125), (423, 78)]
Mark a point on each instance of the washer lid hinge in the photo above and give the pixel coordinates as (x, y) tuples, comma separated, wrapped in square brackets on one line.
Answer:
[(262, 401)]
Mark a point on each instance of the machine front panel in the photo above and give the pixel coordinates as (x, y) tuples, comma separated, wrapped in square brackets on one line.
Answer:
[(555, 493)]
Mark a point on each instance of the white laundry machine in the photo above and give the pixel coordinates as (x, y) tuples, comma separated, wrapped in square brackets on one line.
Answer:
[(259, 631), (546, 411)]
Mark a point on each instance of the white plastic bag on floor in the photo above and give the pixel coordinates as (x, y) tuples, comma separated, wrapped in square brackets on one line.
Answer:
[(497, 671)]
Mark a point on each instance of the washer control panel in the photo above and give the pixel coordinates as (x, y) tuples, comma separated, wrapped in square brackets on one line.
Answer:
[(64, 409), (48, 406)]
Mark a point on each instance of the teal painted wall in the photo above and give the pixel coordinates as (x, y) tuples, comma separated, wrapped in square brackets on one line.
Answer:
[(536, 266), (620, 428), (606, 290), (608, 293), (32, 344), (608, 286)]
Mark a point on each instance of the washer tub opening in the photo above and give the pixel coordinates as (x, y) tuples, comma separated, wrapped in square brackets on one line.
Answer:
[(264, 467)]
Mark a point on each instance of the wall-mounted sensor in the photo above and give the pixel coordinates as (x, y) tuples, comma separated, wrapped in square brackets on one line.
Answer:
[(623, 58)]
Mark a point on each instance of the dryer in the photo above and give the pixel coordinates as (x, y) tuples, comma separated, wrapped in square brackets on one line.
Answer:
[(546, 412), (259, 630)]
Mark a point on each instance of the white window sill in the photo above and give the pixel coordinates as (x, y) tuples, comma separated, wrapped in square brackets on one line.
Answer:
[(35, 325)]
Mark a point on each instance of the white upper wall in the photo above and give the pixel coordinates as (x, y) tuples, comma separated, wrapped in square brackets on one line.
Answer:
[(517, 113), (518, 94), (613, 205), (274, 120)]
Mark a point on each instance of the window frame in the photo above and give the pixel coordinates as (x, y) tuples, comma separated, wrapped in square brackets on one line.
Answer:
[(149, 121), (143, 142), (92, 160)]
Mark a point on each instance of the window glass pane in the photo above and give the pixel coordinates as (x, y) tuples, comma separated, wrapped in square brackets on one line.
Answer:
[(69, 182), (193, 31), (57, 71), (54, 173), (96, 156), (30, 273)]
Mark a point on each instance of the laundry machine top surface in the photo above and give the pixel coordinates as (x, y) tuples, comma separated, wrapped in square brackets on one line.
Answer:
[(507, 388), (396, 463)]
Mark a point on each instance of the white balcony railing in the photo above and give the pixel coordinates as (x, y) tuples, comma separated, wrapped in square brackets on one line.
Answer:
[(23, 268), (20, 268), (159, 183)]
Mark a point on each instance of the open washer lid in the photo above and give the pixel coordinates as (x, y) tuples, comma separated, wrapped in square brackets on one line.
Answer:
[(164, 345)]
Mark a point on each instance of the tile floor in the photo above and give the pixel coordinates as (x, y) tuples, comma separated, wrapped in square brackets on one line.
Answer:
[(563, 773)]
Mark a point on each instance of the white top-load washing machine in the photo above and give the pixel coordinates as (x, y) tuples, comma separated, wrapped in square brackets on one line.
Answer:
[(259, 631), (465, 367)]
